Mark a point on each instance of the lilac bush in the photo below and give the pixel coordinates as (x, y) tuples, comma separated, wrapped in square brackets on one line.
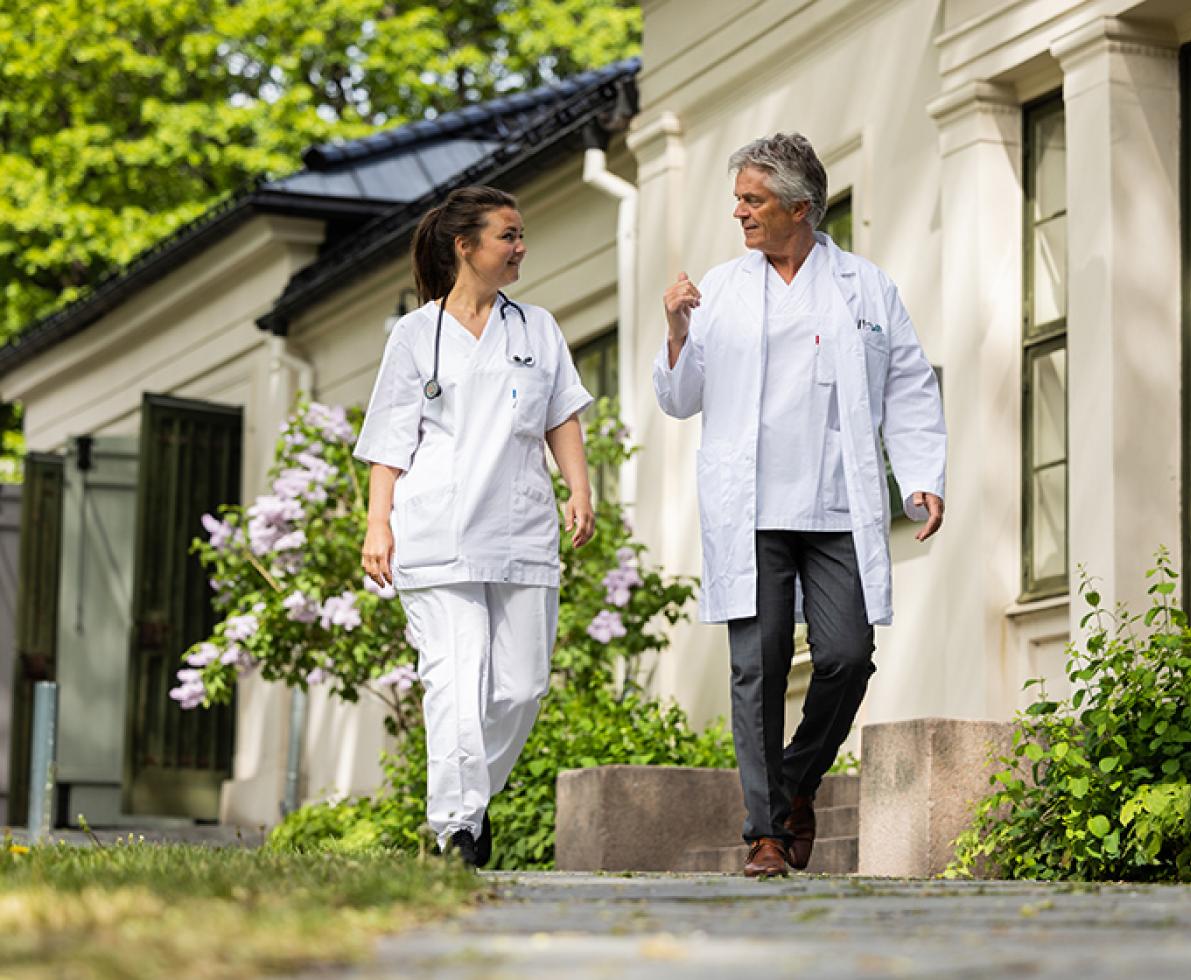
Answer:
[(285, 572)]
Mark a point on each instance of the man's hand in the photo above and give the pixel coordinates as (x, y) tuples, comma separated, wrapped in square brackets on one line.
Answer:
[(679, 300), (934, 515)]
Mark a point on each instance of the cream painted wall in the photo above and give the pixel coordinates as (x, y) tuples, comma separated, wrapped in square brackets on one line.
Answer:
[(887, 90)]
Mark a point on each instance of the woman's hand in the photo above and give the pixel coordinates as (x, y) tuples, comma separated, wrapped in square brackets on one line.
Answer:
[(578, 514), (377, 553)]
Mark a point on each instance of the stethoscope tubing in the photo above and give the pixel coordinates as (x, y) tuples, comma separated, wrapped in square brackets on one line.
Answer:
[(432, 389)]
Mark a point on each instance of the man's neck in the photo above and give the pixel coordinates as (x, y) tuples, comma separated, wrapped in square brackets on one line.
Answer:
[(787, 262)]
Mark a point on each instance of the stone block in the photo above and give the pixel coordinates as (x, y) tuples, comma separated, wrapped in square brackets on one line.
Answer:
[(674, 818), (918, 782), (643, 818)]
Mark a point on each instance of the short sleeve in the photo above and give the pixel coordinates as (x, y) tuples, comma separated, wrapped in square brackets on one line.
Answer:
[(568, 395), (389, 434)]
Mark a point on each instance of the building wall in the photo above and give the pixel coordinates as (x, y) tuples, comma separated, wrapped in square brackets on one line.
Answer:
[(915, 106)]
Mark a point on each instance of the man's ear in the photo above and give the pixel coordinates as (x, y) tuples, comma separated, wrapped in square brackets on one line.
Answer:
[(801, 210)]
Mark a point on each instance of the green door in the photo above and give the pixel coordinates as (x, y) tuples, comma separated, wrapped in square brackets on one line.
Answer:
[(176, 760), (37, 613)]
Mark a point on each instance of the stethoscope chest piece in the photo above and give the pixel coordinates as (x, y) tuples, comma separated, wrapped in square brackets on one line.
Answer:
[(433, 389)]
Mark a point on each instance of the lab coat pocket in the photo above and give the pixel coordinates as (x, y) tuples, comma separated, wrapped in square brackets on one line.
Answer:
[(534, 523), (876, 359), (531, 400), (426, 531), (832, 484), (824, 362)]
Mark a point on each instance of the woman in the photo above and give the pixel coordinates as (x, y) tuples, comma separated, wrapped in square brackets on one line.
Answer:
[(461, 512)]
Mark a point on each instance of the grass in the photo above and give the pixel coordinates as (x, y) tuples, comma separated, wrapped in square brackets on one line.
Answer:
[(151, 910)]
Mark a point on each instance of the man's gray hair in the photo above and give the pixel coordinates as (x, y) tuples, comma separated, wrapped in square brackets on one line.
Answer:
[(795, 173)]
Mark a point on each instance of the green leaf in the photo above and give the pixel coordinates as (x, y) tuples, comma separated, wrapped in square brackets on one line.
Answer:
[(1099, 825), (1078, 785), (1109, 764), (1034, 752)]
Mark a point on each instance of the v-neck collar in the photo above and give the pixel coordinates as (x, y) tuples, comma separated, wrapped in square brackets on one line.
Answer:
[(460, 328)]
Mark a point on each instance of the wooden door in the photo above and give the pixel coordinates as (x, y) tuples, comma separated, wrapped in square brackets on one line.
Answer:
[(175, 760)]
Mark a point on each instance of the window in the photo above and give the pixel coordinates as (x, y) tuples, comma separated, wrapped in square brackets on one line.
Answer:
[(596, 362), (837, 222), (1044, 351)]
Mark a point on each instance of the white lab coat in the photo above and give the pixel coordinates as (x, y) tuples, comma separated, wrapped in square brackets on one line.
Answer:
[(475, 503), (884, 385)]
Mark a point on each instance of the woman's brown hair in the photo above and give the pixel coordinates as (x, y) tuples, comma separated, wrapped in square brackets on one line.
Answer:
[(462, 215)]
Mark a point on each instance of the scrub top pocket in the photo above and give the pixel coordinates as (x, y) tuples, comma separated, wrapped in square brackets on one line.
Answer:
[(426, 531), (531, 401)]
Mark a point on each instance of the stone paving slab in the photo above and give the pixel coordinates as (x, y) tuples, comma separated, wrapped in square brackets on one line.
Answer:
[(702, 926)]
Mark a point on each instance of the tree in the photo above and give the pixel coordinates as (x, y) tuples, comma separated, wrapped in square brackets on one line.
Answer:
[(121, 121)]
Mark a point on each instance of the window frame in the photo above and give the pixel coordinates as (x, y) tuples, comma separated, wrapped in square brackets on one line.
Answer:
[(1039, 340)]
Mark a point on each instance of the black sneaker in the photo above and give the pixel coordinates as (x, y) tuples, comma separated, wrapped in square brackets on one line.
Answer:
[(463, 843), (484, 844)]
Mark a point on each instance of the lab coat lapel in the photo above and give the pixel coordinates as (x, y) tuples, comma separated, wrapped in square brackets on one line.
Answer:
[(750, 288)]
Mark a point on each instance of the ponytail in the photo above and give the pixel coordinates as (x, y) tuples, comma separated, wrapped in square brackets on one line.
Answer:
[(461, 215)]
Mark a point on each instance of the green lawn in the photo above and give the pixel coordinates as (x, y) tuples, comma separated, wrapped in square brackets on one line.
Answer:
[(153, 910)]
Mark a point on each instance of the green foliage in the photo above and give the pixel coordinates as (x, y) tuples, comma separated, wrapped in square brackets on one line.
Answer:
[(1096, 785), (288, 581), (597, 712), (119, 122), (575, 730)]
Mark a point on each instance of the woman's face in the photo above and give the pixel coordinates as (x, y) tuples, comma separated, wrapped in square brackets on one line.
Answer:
[(496, 257)]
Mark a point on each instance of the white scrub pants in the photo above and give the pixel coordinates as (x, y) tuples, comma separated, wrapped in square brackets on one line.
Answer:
[(484, 660)]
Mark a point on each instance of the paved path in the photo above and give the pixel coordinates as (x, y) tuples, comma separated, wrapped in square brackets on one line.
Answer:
[(581, 926)]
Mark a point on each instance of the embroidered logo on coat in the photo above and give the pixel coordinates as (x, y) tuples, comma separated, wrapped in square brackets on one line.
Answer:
[(863, 324)]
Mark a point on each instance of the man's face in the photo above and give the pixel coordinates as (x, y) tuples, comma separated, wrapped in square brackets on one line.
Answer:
[(767, 225)]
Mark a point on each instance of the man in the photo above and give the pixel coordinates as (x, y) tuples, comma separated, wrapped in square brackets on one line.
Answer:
[(797, 354)]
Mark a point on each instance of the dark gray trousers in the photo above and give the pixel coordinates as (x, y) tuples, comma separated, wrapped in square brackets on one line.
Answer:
[(762, 647)]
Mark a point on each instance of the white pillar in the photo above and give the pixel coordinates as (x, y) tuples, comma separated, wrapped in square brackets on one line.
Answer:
[(980, 144), (1120, 87)]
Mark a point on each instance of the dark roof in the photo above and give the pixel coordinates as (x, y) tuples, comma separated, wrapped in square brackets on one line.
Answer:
[(372, 185), (529, 133)]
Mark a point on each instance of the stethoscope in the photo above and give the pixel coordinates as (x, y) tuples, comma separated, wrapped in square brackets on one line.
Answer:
[(433, 389)]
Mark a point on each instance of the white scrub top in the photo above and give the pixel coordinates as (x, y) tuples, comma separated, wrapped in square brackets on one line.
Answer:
[(475, 502), (800, 466)]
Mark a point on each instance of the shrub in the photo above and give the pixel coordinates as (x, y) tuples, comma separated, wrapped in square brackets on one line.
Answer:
[(286, 574), (1096, 785)]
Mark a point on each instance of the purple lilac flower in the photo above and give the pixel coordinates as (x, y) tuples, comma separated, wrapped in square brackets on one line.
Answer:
[(241, 628), (270, 517), (626, 557), (316, 676), (291, 483), (606, 626), (291, 541), (340, 610), (384, 591), (190, 692), (319, 469), (204, 653), (231, 655), (402, 678), (620, 582), (220, 532), (301, 608), (331, 421)]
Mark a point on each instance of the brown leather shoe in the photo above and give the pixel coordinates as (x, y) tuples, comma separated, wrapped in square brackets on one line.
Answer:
[(767, 859), (801, 824)]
